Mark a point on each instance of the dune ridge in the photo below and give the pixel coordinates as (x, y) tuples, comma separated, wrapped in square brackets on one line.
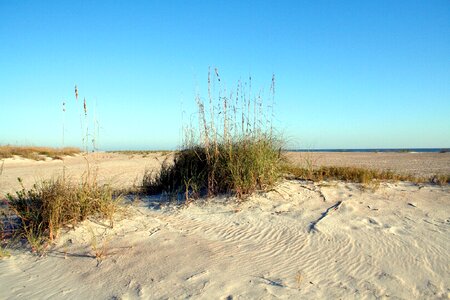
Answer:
[(392, 242)]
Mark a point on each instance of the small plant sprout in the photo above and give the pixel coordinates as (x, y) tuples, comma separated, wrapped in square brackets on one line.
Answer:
[(99, 252)]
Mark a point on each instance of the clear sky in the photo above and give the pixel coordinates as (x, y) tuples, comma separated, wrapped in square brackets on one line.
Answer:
[(349, 74)]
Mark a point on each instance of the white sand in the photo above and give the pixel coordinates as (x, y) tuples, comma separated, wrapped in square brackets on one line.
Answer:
[(290, 243), (122, 171)]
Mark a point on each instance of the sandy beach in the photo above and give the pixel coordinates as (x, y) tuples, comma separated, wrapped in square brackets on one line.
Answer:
[(225, 150), (125, 170), (300, 240)]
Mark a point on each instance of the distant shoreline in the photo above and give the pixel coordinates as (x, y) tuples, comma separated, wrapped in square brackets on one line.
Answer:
[(401, 150)]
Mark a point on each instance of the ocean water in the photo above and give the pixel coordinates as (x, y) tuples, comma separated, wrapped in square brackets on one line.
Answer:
[(432, 150)]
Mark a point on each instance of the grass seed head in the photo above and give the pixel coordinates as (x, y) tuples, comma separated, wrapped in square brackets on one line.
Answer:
[(85, 107)]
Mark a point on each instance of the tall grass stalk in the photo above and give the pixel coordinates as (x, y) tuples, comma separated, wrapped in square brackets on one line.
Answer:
[(89, 134), (63, 121)]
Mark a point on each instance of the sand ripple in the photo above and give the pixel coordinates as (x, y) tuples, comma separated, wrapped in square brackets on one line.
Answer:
[(365, 245)]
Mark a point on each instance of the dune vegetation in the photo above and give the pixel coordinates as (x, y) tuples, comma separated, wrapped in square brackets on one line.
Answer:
[(37, 214), (40, 212), (36, 153), (356, 175), (233, 150)]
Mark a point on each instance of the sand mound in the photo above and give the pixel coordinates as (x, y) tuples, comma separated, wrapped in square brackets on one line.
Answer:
[(300, 240)]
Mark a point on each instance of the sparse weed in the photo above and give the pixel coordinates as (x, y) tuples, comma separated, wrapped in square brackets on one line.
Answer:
[(4, 253), (371, 185), (440, 179), (3, 243), (50, 205), (99, 252), (36, 240)]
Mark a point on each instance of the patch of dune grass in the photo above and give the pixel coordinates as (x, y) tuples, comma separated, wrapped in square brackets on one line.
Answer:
[(358, 175), (239, 168), (52, 204), (440, 179), (36, 153), (233, 150)]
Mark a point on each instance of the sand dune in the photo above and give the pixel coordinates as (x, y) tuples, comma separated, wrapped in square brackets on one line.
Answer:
[(392, 242), (301, 240)]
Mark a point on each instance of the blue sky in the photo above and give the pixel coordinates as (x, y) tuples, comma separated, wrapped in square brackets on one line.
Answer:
[(349, 74)]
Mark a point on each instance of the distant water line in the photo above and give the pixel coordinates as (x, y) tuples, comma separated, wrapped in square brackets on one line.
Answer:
[(375, 150)]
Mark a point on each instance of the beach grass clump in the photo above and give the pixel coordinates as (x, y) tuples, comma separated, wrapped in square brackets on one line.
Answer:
[(440, 179), (357, 175), (36, 153), (349, 174), (233, 150), (52, 204)]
